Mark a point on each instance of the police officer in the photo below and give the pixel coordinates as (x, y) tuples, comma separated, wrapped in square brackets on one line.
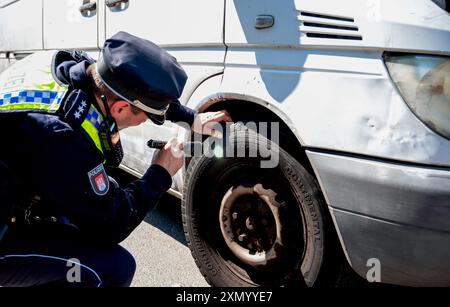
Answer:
[(62, 216)]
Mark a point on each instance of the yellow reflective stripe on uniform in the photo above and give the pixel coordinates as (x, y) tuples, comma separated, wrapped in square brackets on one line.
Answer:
[(29, 85), (91, 125), (93, 134), (29, 106)]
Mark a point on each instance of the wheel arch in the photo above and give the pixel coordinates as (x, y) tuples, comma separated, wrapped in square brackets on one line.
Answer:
[(244, 107)]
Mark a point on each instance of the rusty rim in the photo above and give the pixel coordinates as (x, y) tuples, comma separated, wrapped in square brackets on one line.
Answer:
[(251, 224)]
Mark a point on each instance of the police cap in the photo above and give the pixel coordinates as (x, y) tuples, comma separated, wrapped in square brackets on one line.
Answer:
[(141, 73)]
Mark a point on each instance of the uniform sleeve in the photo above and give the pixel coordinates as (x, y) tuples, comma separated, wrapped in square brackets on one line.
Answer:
[(126, 207), (180, 113), (63, 170)]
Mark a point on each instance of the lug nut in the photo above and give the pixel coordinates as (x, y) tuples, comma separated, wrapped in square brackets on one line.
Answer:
[(235, 215), (249, 223)]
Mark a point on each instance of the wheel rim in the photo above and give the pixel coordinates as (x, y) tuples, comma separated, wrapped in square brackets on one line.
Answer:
[(231, 183), (251, 224)]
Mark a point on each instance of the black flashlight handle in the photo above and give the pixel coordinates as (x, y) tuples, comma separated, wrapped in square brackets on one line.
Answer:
[(156, 144), (190, 148)]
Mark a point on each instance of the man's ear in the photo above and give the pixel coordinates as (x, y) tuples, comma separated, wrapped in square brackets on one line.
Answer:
[(120, 108)]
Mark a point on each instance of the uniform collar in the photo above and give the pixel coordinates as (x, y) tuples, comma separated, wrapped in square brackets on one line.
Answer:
[(78, 76)]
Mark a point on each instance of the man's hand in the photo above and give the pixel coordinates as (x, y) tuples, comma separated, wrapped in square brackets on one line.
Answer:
[(204, 123), (171, 157)]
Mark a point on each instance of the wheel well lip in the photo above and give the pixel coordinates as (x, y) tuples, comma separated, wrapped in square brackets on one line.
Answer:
[(212, 99)]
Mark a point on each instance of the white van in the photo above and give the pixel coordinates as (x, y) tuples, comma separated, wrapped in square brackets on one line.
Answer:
[(361, 92)]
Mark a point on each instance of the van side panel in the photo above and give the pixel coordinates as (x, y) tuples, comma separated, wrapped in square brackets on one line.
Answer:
[(418, 25), (191, 31), (20, 25), (336, 93)]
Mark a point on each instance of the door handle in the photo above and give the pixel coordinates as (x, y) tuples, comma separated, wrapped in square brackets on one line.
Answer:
[(88, 7), (114, 3)]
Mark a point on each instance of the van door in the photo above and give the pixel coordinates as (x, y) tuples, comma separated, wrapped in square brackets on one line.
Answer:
[(191, 30), (70, 24), (20, 25), (168, 22)]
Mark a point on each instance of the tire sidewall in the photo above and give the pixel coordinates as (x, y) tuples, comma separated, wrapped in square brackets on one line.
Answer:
[(303, 187)]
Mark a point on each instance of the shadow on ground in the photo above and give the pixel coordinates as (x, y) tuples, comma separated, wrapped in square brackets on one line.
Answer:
[(167, 218)]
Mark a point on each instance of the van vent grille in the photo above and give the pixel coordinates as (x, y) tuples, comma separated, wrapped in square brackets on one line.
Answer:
[(317, 25), (327, 16)]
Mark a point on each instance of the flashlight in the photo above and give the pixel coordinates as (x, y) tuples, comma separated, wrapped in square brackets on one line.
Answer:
[(156, 144), (190, 148)]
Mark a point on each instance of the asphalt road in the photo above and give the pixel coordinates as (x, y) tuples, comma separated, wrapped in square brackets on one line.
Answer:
[(160, 249)]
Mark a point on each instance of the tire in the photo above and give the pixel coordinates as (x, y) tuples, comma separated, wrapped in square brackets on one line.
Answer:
[(248, 226)]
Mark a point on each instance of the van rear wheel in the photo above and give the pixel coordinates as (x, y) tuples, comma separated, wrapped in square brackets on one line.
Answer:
[(249, 226)]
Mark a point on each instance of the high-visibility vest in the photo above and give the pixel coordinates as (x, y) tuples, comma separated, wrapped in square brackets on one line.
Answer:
[(30, 85)]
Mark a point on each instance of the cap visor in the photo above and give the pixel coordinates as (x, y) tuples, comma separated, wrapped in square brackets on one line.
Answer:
[(157, 119)]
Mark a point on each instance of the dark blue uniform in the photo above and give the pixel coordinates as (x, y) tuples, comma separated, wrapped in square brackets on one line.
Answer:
[(54, 161)]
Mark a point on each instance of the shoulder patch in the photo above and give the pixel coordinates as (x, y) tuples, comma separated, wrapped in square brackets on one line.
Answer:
[(99, 180)]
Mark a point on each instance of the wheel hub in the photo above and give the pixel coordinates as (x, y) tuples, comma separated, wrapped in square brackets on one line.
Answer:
[(250, 223)]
